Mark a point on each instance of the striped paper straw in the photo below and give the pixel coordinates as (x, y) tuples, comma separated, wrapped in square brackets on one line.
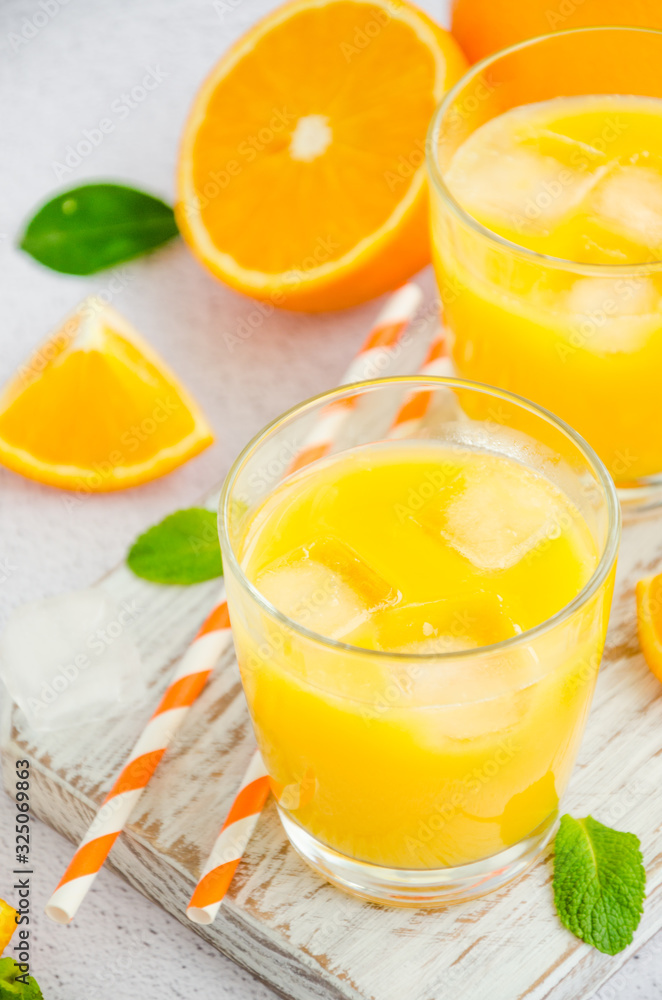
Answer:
[(197, 663), (373, 357), (213, 638), (372, 360), (437, 363), (230, 844)]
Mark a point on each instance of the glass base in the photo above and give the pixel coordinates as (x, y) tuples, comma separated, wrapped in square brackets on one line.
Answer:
[(420, 888), (640, 494)]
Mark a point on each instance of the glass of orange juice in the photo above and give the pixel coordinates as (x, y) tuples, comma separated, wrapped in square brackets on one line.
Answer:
[(419, 618), (546, 200)]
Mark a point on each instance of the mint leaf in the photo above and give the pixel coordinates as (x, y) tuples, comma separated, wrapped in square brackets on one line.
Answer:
[(182, 549), (11, 989), (599, 883), (95, 226)]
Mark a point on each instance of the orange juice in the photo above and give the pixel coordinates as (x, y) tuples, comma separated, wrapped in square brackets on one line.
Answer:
[(577, 324), (425, 733)]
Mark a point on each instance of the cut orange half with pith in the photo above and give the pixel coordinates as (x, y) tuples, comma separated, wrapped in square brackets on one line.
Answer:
[(301, 176), (96, 409), (649, 621)]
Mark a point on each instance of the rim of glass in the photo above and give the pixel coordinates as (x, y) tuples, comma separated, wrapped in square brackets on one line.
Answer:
[(434, 170), (417, 381)]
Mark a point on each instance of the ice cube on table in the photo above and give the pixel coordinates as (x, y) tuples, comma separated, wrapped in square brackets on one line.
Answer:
[(69, 660), (628, 202), (502, 513), (327, 588)]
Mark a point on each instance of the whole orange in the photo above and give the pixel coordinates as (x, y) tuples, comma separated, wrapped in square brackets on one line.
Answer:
[(485, 26)]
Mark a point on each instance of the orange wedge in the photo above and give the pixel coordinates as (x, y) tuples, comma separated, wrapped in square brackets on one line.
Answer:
[(7, 924), (649, 621), (96, 409), (301, 175)]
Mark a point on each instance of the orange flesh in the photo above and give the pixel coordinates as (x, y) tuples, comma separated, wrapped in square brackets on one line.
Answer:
[(254, 111)]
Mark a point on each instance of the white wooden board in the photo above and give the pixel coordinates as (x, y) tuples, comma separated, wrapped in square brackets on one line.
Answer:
[(281, 921)]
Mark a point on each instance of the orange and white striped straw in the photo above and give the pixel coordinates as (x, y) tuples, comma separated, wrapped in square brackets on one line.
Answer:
[(230, 844), (376, 353), (437, 364), (213, 638), (372, 359), (211, 641)]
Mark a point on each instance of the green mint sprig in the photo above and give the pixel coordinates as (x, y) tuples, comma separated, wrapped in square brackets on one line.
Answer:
[(599, 883), (181, 549), (95, 226), (16, 984)]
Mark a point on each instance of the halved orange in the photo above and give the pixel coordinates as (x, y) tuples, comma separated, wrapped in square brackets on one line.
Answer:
[(301, 175), (96, 409), (649, 621)]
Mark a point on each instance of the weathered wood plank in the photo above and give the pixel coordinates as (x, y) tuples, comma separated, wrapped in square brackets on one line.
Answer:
[(280, 920)]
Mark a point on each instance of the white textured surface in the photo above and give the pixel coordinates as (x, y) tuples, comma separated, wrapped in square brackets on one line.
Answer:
[(68, 76)]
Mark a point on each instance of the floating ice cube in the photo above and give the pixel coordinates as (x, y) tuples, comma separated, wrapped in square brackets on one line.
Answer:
[(355, 571), (327, 588), (628, 201), (614, 314), (607, 298), (446, 694), (316, 597), (434, 727), (438, 644), (568, 151), (448, 625), (503, 512), (518, 187), (69, 660)]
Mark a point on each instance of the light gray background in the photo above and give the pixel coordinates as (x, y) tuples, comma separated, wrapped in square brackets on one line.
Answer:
[(81, 56)]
